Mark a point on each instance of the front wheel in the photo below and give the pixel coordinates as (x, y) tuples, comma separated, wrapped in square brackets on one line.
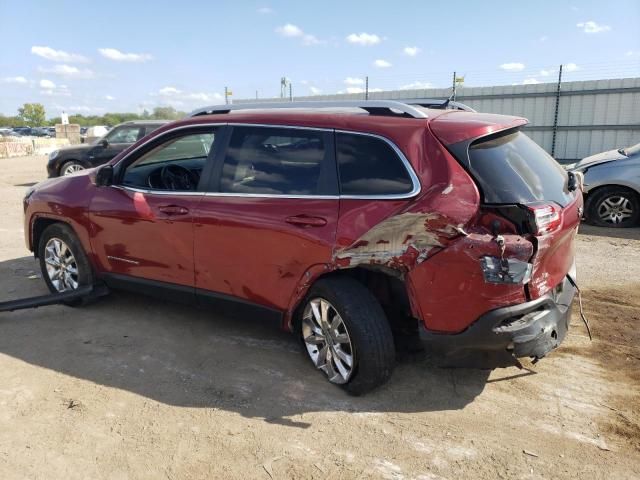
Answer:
[(63, 262), (70, 168), (346, 335), (613, 207)]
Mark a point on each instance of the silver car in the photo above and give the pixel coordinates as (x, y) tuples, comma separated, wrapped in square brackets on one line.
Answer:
[(612, 187)]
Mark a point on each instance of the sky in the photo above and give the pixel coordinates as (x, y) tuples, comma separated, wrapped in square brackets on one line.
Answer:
[(126, 56)]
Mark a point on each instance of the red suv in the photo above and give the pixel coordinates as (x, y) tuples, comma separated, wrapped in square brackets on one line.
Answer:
[(349, 222)]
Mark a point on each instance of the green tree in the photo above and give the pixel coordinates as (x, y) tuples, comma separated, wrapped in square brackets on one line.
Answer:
[(32, 114)]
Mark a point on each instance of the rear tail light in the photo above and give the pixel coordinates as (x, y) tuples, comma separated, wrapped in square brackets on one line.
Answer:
[(503, 270), (544, 217)]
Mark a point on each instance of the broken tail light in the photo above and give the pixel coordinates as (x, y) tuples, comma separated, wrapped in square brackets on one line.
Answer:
[(543, 217), (505, 270)]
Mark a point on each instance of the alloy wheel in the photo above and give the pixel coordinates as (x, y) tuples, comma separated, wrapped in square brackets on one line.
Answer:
[(74, 167), (615, 209), (327, 340), (62, 268)]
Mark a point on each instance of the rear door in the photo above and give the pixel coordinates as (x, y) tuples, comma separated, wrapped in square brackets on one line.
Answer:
[(270, 214)]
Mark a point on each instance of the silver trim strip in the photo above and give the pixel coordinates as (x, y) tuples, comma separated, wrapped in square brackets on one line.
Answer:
[(125, 260), (364, 105), (416, 187)]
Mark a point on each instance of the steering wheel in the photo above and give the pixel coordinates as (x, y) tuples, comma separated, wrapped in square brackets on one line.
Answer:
[(176, 177)]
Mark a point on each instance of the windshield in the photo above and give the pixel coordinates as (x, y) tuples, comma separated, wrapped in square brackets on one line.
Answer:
[(627, 152), (512, 168)]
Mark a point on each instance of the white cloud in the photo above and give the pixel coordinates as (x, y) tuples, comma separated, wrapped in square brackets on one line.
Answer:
[(50, 89), (381, 64), (632, 53), (411, 51), (315, 91), (265, 10), (58, 55), (364, 39), (109, 97), (352, 90), (176, 97), (546, 73), (20, 80), (570, 67), (68, 71), (593, 27), (293, 31), (47, 84), (530, 81), (543, 39), (118, 56), (512, 67), (290, 30), (353, 81), (169, 91), (416, 85)]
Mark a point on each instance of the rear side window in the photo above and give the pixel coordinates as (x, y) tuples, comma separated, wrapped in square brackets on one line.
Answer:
[(512, 168), (370, 166), (278, 161)]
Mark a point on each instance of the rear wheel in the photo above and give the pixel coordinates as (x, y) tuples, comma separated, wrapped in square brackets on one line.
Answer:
[(613, 207), (346, 335), (71, 167), (63, 262)]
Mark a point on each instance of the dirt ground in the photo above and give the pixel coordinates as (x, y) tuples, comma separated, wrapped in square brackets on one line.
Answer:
[(131, 388)]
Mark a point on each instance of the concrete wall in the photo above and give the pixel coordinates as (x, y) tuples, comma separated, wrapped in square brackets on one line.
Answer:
[(593, 116), (20, 146)]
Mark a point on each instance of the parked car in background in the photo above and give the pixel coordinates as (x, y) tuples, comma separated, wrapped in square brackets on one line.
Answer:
[(350, 229), (612, 187), (71, 159), (21, 131), (5, 132)]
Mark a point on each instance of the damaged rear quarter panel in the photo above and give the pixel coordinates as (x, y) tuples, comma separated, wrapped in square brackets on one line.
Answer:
[(401, 234)]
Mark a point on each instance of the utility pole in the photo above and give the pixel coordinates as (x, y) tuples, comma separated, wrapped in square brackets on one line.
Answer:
[(290, 92), (366, 87), (555, 115), (256, 94), (226, 95), (453, 88)]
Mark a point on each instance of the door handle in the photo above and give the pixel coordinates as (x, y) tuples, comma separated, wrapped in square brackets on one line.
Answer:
[(306, 221), (173, 210)]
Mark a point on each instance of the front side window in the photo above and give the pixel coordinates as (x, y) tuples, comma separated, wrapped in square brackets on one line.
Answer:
[(175, 165), (124, 135), (278, 161), (369, 166)]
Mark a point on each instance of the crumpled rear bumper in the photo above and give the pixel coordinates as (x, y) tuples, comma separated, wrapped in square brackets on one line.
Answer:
[(530, 329)]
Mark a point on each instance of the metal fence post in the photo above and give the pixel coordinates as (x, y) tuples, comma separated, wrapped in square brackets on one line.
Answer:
[(555, 115), (366, 87)]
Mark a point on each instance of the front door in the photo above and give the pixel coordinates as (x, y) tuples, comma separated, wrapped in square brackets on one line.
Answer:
[(142, 226), (271, 214)]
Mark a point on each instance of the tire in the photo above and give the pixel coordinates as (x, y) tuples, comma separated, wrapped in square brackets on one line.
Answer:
[(71, 167), (367, 330), (64, 235), (616, 207)]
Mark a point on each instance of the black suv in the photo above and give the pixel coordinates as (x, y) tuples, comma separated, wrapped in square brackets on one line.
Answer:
[(78, 157)]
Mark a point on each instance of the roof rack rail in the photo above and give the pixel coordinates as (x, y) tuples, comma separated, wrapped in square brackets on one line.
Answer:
[(373, 107), (436, 103)]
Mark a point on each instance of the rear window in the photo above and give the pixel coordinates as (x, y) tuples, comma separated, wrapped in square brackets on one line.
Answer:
[(369, 166), (512, 168), (278, 161)]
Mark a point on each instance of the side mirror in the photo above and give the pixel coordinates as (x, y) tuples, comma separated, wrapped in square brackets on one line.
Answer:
[(104, 143), (104, 176)]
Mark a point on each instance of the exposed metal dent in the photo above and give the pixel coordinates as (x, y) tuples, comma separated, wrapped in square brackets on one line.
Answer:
[(399, 242)]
